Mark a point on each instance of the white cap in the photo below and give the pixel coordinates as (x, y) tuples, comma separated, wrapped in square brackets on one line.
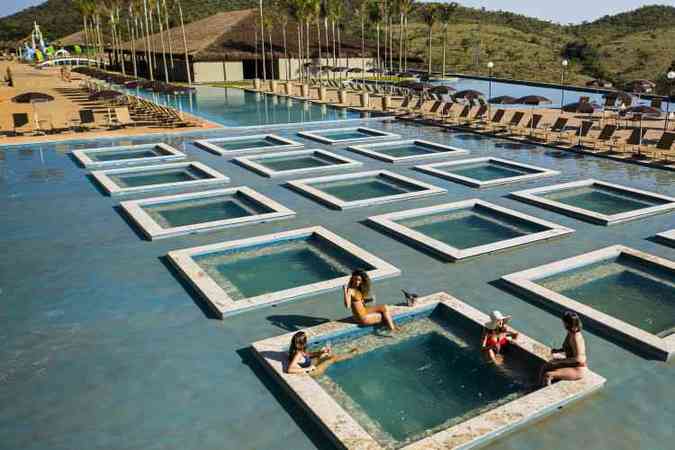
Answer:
[(495, 316)]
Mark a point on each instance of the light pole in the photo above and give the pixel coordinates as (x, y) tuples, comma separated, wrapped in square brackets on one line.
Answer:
[(490, 66), (562, 83), (670, 76)]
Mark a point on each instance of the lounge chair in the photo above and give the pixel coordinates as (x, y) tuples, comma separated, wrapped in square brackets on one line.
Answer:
[(579, 134), (21, 123), (495, 121), (87, 119), (455, 120), (662, 147), (412, 111), (433, 111), (633, 140), (516, 118), (558, 128), (120, 118), (477, 115), (606, 136), (528, 129)]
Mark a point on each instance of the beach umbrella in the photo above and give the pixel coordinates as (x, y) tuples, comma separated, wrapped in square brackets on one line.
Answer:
[(599, 83), (640, 86), (623, 97), (421, 86), (533, 100), (354, 70), (104, 95), (375, 70), (406, 83), (503, 100), (443, 89), (32, 97), (407, 75), (579, 108), (468, 94)]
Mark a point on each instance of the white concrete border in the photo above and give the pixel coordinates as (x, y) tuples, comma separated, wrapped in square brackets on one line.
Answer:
[(317, 135), (256, 163), (346, 432), (388, 222), (212, 144), (135, 209), (525, 282), (170, 154), (667, 237), (305, 186), (103, 178), (436, 170), (223, 304), (438, 151), (533, 196)]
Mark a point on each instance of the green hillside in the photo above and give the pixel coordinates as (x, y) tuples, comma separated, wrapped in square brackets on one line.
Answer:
[(626, 46)]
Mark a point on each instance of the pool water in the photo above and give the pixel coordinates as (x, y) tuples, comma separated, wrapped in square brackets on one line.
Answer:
[(634, 292), (240, 144), (347, 135), (115, 155), (487, 172), (279, 266), (189, 212), (401, 151), (151, 177), (237, 107), (364, 188), (424, 378), (601, 200), (282, 163), (467, 228)]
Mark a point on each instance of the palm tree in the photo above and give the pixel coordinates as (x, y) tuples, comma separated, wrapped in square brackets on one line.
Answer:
[(187, 56), (375, 15), (361, 11), (282, 18), (262, 40), (84, 7), (147, 40), (428, 13), (446, 13), (296, 11), (408, 6), (131, 26), (168, 32)]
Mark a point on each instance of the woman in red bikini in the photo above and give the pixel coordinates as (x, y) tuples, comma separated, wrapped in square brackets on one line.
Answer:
[(496, 336)]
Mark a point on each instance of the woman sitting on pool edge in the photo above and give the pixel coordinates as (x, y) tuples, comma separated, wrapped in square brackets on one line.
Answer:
[(496, 335), (356, 293), (302, 361), (573, 366)]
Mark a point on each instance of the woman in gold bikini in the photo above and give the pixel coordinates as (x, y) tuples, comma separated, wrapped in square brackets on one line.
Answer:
[(356, 293), (573, 365)]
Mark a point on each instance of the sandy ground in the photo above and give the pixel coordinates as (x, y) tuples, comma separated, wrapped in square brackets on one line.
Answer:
[(48, 81)]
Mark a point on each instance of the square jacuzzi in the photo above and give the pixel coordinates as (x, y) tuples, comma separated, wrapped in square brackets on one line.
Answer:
[(667, 237), (363, 188), (597, 201), (296, 162), (486, 172), (625, 292), (247, 144), (345, 136), (174, 215), (91, 158), (432, 388), (405, 151), (159, 177), (240, 275), (460, 230)]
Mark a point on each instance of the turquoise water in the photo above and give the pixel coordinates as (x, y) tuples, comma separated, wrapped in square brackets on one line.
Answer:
[(115, 155), (150, 177), (373, 187), (347, 135), (279, 266), (424, 378), (468, 228), (487, 172), (401, 151), (236, 107), (601, 200), (282, 163), (188, 212), (247, 143), (630, 291)]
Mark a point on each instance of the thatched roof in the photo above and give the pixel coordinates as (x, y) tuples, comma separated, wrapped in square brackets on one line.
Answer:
[(72, 39), (231, 36)]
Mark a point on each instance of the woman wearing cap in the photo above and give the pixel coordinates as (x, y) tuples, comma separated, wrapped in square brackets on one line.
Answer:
[(496, 335), (573, 365), (356, 294)]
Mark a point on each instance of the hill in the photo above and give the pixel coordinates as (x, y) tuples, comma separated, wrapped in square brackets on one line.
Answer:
[(626, 46)]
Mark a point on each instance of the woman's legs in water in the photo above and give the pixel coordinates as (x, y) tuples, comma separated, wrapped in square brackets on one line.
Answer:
[(326, 362)]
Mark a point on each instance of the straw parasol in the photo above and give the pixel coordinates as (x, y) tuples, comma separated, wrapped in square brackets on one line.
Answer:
[(533, 100), (599, 83), (468, 94), (443, 89), (579, 108), (503, 100), (32, 97)]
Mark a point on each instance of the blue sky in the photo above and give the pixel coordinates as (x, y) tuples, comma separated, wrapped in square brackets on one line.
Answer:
[(558, 11)]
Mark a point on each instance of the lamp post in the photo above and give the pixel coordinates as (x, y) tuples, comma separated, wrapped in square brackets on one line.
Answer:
[(490, 66), (565, 63), (670, 76)]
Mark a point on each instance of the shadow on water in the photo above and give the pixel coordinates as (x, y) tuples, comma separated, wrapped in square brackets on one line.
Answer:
[(132, 225), (299, 415), (295, 322), (199, 301), (562, 154), (515, 146), (661, 241), (96, 186), (589, 325)]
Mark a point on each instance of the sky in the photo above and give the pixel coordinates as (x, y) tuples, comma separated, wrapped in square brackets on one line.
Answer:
[(567, 11)]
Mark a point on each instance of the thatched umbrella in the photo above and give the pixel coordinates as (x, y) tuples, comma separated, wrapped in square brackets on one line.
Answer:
[(406, 83), (354, 70), (579, 108), (468, 94), (640, 86), (442, 89), (421, 86), (503, 100)]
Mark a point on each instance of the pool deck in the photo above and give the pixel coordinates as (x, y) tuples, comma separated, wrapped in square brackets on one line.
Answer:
[(105, 346)]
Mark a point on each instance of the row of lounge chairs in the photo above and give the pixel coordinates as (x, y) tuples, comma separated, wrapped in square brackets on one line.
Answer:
[(30, 123), (530, 126)]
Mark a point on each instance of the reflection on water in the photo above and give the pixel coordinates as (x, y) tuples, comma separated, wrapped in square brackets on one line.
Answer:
[(46, 174), (515, 146)]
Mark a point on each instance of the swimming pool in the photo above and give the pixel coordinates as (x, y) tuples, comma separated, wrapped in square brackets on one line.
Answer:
[(405, 151), (296, 162), (426, 386), (127, 155), (247, 144)]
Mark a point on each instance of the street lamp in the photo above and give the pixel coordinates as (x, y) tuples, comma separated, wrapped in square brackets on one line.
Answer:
[(671, 78), (565, 63), (490, 66)]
